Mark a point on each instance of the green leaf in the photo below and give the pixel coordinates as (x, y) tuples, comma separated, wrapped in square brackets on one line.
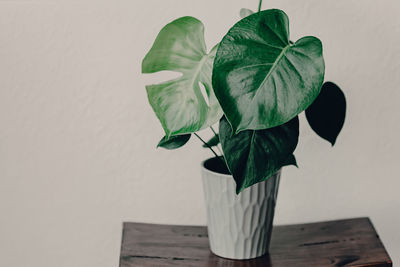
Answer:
[(244, 12), (174, 142), (179, 104), (326, 115), (214, 141), (253, 156), (291, 160), (262, 80)]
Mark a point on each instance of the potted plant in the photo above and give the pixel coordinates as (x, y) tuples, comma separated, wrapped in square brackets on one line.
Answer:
[(255, 83)]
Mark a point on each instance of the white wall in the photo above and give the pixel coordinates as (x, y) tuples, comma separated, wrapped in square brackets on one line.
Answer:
[(77, 136)]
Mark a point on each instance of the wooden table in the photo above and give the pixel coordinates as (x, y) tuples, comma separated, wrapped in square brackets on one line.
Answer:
[(352, 242)]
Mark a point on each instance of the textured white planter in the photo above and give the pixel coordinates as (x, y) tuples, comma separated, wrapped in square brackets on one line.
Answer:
[(239, 226)]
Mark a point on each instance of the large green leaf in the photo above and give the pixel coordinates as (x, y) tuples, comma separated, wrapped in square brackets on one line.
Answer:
[(262, 80), (327, 113), (253, 156), (179, 104)]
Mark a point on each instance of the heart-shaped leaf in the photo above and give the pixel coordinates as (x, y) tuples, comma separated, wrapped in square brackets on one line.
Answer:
[(214, 141), (174, 142), (262, 80), (326, 115), (180, 104), (253, 156)]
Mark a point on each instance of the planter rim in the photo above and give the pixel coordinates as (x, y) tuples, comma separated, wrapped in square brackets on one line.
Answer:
[(213, 172), (222, 174)]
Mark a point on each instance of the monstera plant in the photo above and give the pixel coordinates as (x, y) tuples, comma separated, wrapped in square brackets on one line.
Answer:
[(255, 83)]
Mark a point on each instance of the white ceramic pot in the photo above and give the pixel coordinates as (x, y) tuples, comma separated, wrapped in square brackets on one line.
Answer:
[(239, 226)]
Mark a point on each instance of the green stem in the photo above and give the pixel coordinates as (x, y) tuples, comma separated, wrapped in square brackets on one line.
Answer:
[(212, 129), (205, 143), (259, 5), (216, 135), (216, 155)]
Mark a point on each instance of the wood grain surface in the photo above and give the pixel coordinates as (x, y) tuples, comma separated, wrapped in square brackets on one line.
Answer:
[(351, 242)]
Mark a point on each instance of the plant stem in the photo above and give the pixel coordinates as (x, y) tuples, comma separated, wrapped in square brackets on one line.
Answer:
[(212, 129), (216, 135), (259, 5), (216, 155), (205, 143)]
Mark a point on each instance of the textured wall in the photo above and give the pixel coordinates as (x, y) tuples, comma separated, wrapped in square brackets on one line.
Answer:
[(77, 137)]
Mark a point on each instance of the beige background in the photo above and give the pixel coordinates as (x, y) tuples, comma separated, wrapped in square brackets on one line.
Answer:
[(77, 136)]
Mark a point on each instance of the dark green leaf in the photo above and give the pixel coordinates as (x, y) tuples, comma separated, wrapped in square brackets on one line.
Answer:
[(326, 115), (262, 80), (253, 156), (180, 104), (174, 142), (214, 141), (291, 160)]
